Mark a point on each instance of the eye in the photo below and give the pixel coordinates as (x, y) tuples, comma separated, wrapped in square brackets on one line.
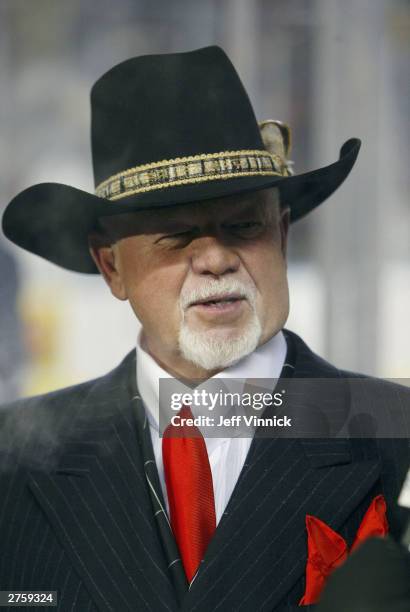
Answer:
[(244, 224), (177, 236)]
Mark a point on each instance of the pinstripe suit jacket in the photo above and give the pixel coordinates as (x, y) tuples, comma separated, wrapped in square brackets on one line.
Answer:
[(76, 514)]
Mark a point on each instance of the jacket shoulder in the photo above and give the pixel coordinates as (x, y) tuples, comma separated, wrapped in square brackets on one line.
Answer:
[(310, 363), (35, 425), (68, 397)]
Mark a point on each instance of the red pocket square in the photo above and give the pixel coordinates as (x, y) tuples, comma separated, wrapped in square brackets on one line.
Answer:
[(374, 523), (327, 549)]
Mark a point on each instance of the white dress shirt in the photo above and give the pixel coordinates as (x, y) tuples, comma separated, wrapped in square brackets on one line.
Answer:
[(226, 455)]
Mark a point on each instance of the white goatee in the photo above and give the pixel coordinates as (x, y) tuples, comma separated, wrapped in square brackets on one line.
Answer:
[(210, 349)]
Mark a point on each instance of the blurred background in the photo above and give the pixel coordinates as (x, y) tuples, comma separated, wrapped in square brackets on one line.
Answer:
[(329, 69)]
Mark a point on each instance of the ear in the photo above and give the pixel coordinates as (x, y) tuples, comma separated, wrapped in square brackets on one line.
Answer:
[(106, 258), (284, 221)]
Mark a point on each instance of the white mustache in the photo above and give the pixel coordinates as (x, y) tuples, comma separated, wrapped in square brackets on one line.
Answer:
[(214, 289)]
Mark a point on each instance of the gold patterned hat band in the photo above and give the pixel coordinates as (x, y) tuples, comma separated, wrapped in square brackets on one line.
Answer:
[(190, 170)]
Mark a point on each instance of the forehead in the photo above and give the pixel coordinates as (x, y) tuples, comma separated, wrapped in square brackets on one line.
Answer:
[(221, 207), (259, 202)]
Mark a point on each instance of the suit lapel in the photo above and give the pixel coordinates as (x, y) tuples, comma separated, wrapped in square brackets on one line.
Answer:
[(259, 549), (98, 503)]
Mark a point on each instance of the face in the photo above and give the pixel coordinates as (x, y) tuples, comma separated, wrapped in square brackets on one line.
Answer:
[(206, 280)]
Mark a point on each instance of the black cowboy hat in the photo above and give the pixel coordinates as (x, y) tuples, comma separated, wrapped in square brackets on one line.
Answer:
[(166, 130)]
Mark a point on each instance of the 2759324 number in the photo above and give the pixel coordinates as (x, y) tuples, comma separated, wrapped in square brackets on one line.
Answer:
[(28, 598)]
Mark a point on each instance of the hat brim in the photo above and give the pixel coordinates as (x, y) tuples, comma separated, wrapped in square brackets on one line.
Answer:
[(53, 220)]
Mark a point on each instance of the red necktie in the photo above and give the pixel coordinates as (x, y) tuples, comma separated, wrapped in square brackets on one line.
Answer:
[(190, 491)]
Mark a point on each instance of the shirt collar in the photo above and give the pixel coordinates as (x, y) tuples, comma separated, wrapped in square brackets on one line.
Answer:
[(265, 362)]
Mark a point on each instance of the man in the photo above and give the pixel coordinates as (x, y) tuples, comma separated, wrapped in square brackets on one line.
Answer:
[(189, 224)]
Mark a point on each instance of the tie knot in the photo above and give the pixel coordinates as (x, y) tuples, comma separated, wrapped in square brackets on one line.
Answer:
[(185, 412), (182, 425)]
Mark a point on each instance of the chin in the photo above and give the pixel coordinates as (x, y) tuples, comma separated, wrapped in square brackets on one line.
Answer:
[(218, 348)]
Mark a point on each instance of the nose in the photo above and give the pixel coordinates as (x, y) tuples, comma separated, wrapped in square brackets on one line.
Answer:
[(211, 256)]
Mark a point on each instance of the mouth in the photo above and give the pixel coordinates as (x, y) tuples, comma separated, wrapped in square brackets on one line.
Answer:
[(217, 306), (221, 300)]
